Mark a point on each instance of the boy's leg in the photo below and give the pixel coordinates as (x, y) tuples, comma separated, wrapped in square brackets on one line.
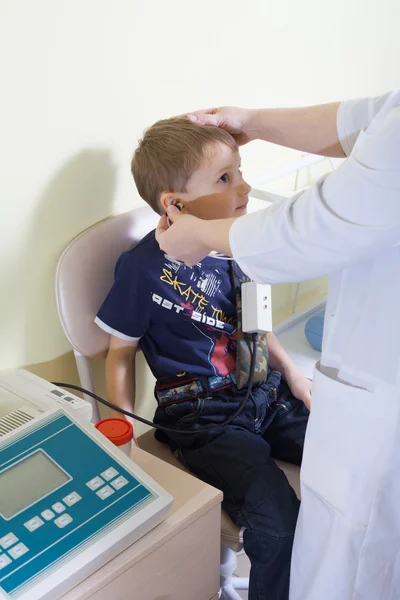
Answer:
[(258, 497), (286, 431)]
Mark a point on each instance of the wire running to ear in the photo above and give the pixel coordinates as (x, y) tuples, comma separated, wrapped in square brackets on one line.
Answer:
[(178, 205)]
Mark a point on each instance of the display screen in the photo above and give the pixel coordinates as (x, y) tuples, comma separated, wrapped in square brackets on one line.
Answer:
[(27, 482)]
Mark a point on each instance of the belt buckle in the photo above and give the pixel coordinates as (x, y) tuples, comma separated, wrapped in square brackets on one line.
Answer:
[(179, 393), (219, 381)]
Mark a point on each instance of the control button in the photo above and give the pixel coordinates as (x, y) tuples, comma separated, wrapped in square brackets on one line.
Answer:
[(119, 482), (34, 523), (72, 498), (63, 520), (4, 561), (58, 507), (8, 540), (109, 474), (105, 492), (47, 514), (95, 483), (18, 550)]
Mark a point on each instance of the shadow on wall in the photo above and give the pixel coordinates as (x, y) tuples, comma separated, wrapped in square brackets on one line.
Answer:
[(80, 194)]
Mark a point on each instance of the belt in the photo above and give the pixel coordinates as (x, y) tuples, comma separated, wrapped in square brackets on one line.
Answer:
[(190, 388)]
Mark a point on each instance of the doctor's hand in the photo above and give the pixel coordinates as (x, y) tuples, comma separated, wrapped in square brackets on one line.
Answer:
[(190, 239), (300, 386), (240, 122), (185, 239)]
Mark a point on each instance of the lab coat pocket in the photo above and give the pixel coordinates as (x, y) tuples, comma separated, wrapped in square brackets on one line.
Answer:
[(344, 444)]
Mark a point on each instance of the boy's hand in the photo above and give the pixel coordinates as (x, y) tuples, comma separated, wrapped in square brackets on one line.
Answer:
[(300, 386)]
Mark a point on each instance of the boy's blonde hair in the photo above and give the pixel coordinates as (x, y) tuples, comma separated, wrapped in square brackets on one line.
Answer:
[(170, 151)]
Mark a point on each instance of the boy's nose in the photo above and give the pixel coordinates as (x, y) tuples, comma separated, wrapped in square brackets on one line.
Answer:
[(243, 189)]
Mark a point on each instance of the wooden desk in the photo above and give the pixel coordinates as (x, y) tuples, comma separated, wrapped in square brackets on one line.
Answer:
[(179, 559)]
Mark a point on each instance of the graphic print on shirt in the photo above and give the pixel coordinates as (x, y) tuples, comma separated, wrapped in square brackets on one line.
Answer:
[(192, 292)]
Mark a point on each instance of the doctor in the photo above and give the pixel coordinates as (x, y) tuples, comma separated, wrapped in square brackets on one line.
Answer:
[(347, 543)]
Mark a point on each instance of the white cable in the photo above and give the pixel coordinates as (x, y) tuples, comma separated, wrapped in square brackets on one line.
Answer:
[(331, 163), (296, 296), (220, 256), (296, 180)]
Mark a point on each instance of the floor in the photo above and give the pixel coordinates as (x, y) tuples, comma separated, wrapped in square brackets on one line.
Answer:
[(243, 569)]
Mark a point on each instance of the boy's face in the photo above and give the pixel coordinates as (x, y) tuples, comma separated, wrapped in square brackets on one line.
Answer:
[(217, 189)]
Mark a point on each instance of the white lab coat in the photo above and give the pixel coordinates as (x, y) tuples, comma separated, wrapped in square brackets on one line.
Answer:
[(347, 543)]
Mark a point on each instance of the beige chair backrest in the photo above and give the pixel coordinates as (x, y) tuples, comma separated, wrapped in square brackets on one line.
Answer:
[(85, 273)]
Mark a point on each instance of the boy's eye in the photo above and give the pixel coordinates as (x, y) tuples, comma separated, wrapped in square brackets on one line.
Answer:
[(224, 178)]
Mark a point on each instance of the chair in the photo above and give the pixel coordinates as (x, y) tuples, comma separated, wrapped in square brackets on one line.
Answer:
[(83, 277)]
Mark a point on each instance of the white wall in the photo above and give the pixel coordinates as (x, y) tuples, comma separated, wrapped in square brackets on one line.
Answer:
[(81, 79)]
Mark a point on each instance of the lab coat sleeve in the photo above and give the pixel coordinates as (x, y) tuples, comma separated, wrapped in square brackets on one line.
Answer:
[(355, 115), (348, 215)]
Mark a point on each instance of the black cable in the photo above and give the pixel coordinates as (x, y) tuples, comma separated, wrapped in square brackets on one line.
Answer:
[(71, 386)]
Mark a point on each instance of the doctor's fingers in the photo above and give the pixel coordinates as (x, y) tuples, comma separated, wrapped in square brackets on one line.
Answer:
[(233, 119), (162, 226), (173, 213), (183, 240), (202, 111)]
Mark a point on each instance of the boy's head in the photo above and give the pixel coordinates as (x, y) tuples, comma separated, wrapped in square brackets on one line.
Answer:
[(197, 166)]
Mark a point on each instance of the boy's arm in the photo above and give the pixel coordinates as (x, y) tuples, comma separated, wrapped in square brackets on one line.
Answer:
[(120, 375), (279, 360)]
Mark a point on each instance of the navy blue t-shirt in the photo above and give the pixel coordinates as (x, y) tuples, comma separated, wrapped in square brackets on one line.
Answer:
[(184, 316)]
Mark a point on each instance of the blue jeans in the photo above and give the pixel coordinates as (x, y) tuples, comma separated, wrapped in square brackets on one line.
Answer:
[(238, 459)]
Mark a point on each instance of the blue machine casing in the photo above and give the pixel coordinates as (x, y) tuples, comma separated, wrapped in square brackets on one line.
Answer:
[(94, 493)]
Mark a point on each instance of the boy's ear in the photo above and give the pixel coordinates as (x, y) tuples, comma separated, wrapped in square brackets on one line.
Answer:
[(168, 199)]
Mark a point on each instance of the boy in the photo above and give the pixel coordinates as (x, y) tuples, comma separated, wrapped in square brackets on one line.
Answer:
[(184, 319)]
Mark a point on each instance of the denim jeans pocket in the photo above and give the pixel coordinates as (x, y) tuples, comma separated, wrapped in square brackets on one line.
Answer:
[(185, 412), (284, 403)]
